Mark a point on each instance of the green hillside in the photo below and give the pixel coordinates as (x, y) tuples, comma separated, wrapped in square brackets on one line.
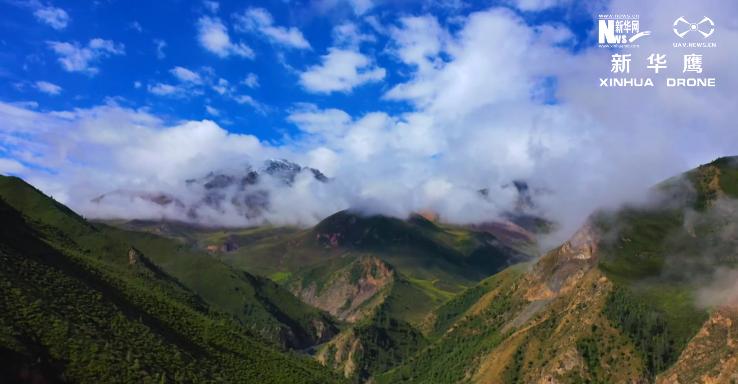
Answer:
[(78, 305), (352, 287), (202, 237), (617, 303), (446, 259), (258, 302), (622, 301), (373, 346)]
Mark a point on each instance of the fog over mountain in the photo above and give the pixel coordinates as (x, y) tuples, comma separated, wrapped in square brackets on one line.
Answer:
[(480, 114)]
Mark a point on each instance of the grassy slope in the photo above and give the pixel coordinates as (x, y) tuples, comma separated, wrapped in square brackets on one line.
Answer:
[(449, 260), (387, 333), (372, 346), (79, 303), (628, 318), (200, 236), (256, 301), (444, 317), (658, 262), (406, 299), (447, 359)]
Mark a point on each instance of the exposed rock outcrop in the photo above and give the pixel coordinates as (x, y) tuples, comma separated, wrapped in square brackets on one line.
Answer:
[(346, 292), (133, 257), (711, 357)]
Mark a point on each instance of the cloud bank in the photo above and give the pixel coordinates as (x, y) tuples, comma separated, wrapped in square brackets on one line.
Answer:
[(481, 115)]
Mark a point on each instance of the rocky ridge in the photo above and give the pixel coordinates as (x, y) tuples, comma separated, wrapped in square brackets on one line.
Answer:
[(243, 189)]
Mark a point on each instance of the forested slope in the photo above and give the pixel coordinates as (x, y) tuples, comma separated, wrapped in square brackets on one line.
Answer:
[(645, 293), (79, 306)]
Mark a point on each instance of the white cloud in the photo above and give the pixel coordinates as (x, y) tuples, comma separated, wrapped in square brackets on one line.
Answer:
[(212, 110), (374, 22), (212, 6), (185, 75), (75, 58), (222, 87), (49, 88), (66, 115), (251, 80), (160, 44), (330, 122), (245, 99), (537, 5), (361, 6), (57, 18), (341, 70), (165, 89), (348, 34), (260, 20), (135, 25), (213, 36), (25, 104), (137, 84), (190, 83), (181, 90), (418, 42), (344, 67), (10, 166), (358, 7), (472, 123), (107, 45)]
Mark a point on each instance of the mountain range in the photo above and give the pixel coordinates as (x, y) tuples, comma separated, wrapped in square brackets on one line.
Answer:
[(645, 293), (244, 189)]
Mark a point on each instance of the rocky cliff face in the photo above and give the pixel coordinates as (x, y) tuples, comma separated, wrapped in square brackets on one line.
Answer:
[(712, 355), (340, 353), (614, 304), (349, 292), (544, 325), (561, 269), (562, 298), (321, 332)]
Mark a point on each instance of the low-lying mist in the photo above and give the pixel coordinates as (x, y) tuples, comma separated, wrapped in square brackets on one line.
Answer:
[(462, 115), (678, 244)]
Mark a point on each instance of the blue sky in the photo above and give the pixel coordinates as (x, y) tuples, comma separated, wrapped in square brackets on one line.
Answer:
[(408, 105), (151, 38)]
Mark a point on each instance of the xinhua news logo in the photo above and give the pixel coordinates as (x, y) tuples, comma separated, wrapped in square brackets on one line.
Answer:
[(620, 31)]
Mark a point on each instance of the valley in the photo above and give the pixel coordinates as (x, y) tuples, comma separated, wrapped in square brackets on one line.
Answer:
[(640, 294)]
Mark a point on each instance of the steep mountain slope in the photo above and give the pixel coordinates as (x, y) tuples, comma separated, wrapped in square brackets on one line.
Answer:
[(712, 356), (623, 301), (384, 305), (376, 344), (352, 287), (418, 248), (77, 305), (256, 301)]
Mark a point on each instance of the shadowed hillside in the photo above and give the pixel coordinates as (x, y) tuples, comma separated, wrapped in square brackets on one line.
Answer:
[(259, 303), (80, 306)]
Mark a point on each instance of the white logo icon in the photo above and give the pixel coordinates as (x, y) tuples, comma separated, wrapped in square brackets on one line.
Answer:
[(693, 27), (614, 29)]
